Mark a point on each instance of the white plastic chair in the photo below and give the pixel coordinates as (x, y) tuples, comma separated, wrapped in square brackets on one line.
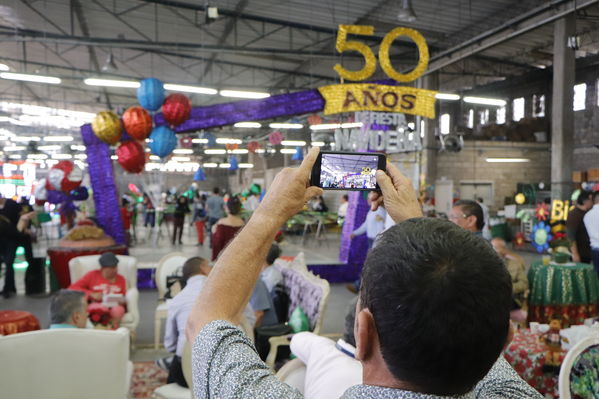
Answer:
[(127, 267), (572, 357), (166, 267), (66, 363), (293, 373), (174, 390)]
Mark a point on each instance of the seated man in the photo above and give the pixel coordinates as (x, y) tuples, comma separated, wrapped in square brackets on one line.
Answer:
[(432, 316), (96, 284), (469, 215), (68, 309)]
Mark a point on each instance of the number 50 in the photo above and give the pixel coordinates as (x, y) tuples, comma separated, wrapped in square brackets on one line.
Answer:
[(369, 58)]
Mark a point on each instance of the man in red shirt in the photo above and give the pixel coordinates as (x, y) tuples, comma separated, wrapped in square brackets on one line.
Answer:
[(101, 282)]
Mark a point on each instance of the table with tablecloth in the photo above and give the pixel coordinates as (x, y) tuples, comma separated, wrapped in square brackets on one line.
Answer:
[(17, 321), (60, 257), (527, 356), (570, 291)]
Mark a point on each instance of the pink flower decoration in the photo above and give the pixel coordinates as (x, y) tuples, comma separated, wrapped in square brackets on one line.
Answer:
[(275, 138)]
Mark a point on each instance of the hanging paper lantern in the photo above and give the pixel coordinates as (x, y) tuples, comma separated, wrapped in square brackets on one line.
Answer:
[(275, 138), (520, 198), (107, 127), (137, 122), (150, 94), (131, 156), (79, 194), (253, 146), (176, 109), (64, 176), (40, 192), (162, 141), (299, 154), (231, 147), (211, 139), (186, 142), (233, 162), (314, 120), (199, 175), (519, 240), (542, 211), (540, 237)]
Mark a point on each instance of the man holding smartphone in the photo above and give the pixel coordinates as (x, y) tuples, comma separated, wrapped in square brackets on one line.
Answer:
[(417, 292)]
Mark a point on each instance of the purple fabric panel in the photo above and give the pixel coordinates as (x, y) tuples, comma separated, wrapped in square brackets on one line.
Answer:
[(145, 279), (354, 251), (101, 177), (303, 293), (336, 273), (249, 110)]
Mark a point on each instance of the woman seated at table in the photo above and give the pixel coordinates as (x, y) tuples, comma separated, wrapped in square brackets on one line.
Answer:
[(517, 269), (102, 285), (226, 228)]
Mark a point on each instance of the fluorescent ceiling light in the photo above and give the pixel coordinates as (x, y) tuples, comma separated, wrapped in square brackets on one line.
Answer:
[(183, 151), (30, 78), (14, 148), (37, 156), (286, 125), (254, 125), (112, 83), (54, 147), (485, 101), (4, 67), (447, 96), (215, 151), (114, 157), (14, 156), (507, 160), (243, 94), (226, 140), (225, 165), (239, 151), (199, 141), (24, 139), (154, 158), (330, 126), (58, 138), (210, 165), (288, 151), (76, 147), (352, 124), (181, 159), (62, 156), (294, 143), (246, 165), (318, 144), (189, 89), (80, 156)]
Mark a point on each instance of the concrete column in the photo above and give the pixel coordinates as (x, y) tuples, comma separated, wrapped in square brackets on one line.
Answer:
[(428, 161), (562, 116)]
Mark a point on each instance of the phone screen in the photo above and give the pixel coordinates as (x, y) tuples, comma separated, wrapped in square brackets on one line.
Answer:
[(348, 171)]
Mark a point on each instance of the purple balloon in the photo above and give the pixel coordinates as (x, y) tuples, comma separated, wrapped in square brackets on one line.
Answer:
[(79, 194), (56, 197)]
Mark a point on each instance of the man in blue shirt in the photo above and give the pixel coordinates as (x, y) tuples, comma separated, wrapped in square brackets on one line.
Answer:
[(68, 309)]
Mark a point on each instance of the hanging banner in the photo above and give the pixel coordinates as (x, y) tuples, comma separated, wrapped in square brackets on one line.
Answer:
[(369, 97)]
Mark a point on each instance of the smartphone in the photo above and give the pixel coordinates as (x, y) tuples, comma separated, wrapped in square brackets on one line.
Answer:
[(347, 170)]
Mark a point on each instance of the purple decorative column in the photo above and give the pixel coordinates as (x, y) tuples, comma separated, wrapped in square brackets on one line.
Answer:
[(102, 181), (353, 252)]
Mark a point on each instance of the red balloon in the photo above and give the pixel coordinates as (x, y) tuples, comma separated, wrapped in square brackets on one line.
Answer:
[(131, 156), (137, 122), (176, 109)]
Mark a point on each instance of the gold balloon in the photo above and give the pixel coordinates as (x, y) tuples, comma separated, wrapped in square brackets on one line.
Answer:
[(520, 198), (107, 127)]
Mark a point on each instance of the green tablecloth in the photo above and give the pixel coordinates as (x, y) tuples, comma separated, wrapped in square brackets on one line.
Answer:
[(563, 285)]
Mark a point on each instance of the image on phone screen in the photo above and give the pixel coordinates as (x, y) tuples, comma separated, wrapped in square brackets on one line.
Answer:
[(348, 171)]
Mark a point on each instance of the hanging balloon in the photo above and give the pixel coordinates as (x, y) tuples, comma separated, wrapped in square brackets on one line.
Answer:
[(162, 141), (253, 146), (314, 120), (231, 147), (299, 154), (79, 194), (186, 142), (233, 162), (199, 175), (64, 176), (137, 122), (255, 189), (211, 139), (107, 127), (40, 192), (520, 198), (150, 94), (275, 138), (176, 109), (131, 156)]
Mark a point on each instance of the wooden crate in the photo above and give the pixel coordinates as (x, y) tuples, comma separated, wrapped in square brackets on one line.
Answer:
[(593, 175), (579, 176)]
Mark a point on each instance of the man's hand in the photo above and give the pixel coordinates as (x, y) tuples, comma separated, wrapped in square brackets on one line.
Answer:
[(289, 191), (96, 296), (398, 196)]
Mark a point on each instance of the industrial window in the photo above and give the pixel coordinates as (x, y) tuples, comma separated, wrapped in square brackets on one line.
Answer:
[(500, 116), (470, 123), (445, 123), (538, 105), (483, 117), (518, 109), (580, 96)]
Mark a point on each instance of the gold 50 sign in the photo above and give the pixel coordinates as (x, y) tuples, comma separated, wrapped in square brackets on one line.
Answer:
[(369, 58)]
